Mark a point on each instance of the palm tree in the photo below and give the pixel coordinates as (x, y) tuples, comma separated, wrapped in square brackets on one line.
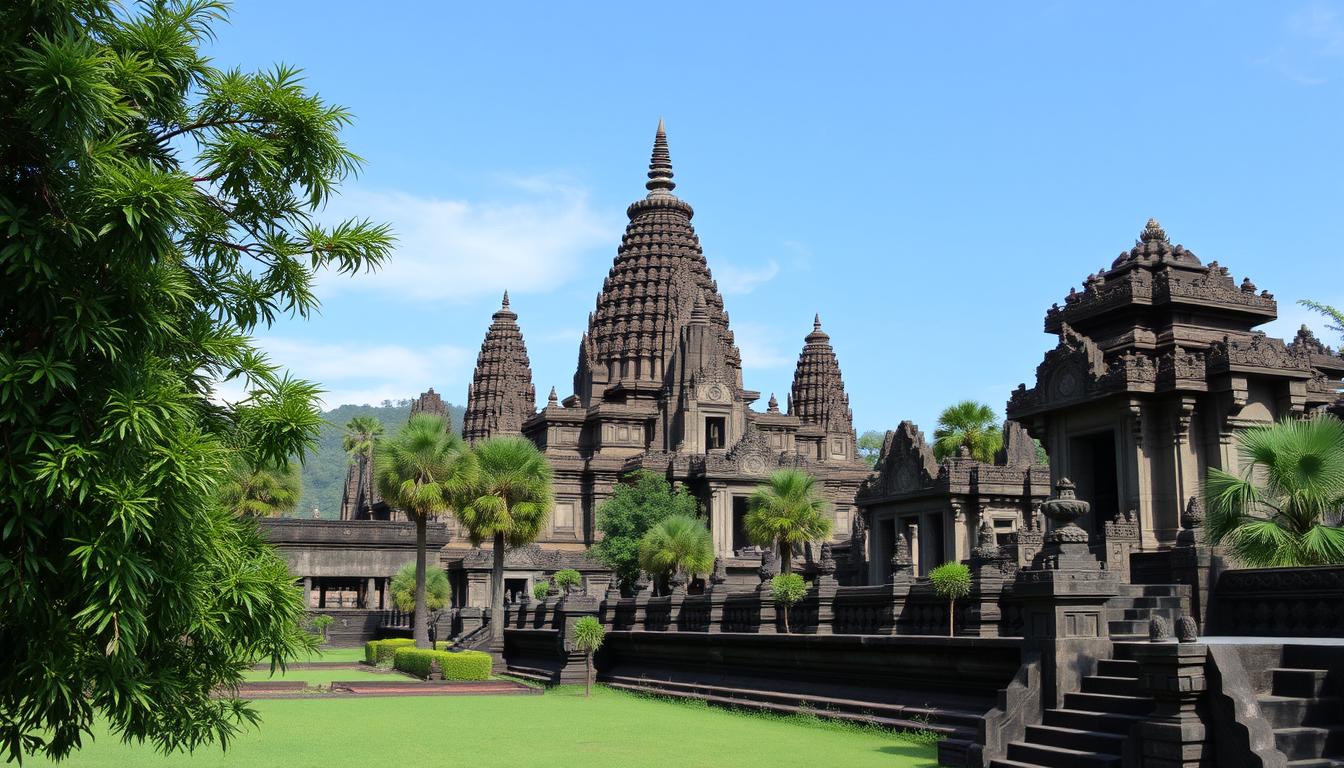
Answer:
[(969, 424), (507, 504), (1283, 510), (261, 491), (420, 471), (361, 433), (787, 511), (677, 544)]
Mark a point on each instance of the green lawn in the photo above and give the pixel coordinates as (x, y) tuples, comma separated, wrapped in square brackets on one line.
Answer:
[(351, 655), (314, 676), (555, 730)]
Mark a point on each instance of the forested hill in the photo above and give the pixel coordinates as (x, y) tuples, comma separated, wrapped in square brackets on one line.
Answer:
[(324, 469)]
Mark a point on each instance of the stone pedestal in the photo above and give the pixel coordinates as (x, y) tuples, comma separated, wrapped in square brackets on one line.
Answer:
[(1174, 736)]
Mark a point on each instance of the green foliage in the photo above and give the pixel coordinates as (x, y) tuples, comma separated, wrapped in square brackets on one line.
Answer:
[(321, 623), (541, 590), (260, 491), (155, 213), (438, 593), (567, 578), (971, 425), (635, 506), (870, 447), (787, 589), (951, 581), (787, 511), (589, 634), (380, 652), (456, 665), (1278, 512), (361, 434), (679, 543), (1331, 313)]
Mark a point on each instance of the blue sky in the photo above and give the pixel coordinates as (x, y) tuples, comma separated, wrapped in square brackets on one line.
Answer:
[(928, 177)]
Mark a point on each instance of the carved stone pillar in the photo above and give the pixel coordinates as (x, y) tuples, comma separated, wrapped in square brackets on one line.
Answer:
[(990, 567), (1174, 736), (824, 588), (1120, 538)]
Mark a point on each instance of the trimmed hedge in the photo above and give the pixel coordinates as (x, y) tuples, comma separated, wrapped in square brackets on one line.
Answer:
[(462, 665), (383, 651)]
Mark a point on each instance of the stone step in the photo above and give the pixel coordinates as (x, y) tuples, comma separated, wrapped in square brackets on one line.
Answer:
[(1127, 628), (1152, 590), (1076, 738), (1010, 764), (1118, 668), (1295, 711), (1307, 683), (1119, 686), (1105, 702), (1141, 614), (1319, 762), (1169, 602), (1059, 757), (1089, 720), (1307, 742)]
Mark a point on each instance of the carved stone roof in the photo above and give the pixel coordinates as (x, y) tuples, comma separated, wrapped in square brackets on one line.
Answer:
[(655, 282), (818, 395), (430, 402), (906, 468), (501, 396)]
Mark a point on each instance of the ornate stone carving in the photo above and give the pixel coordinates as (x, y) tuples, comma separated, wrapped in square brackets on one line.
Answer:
[(501, 396), (719, 574), (1064, 509), (769, 565), (826, 565), (1158, 629), (818, 395), (1186, 630), (1256, 351)]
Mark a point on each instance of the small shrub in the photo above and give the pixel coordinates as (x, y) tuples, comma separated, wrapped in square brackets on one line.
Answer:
[(951, 581), (541, 590), (787, 589), (321, 623), (567, 579), (462, 665), (380, 652), (588, 636)]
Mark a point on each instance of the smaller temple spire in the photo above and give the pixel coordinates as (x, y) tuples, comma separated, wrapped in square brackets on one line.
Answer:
[(773, 405), (552, 400), (1153, 231), (505, 304), (660, 183)]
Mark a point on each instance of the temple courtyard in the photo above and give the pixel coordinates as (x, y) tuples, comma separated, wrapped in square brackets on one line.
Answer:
[(557, 728)]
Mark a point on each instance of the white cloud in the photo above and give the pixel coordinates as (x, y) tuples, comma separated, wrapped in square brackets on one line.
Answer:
[(739, 280), (763, 347), (359, 374), (460, 249), (1310, 45)]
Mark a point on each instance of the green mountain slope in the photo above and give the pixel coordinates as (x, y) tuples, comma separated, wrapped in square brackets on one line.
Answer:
[(324, 469)]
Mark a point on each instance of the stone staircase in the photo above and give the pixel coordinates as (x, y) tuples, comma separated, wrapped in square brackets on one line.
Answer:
[(1128, 613), (1089, 730), (1308, 722)]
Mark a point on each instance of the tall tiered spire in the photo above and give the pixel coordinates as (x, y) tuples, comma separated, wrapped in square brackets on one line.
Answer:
[(501, 395), (818, 396), (655, 282)]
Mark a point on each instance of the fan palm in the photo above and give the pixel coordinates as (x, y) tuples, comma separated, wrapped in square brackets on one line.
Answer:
[(969, 424), (507, 504), (361, 433), (420, 471), (677, 544), (1283, 510), (269, 490), (787, 511)]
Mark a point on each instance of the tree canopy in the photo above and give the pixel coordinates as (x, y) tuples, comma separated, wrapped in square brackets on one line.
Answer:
[(1283, 509), (870, 447), (438, 593), (787, 511), (678, 543), (361, 434), (155, 212), (969, 425), (265, 491), (636, 506)]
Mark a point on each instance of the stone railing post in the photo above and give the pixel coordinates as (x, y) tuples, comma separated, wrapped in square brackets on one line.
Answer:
[(718, 595), (1063, 597), (1174, 736), (568, 610), (991, 568), (824, 588), (902, 579), (1192, 561), (769, 616), (643, 593), (1120, 537)]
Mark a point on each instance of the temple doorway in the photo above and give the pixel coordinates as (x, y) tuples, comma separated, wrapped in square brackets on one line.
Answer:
[(514, 589), (1092, 460), (740, 540)]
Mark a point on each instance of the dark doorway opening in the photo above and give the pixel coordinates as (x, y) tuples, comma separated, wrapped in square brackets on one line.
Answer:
[(514, 589), (740, 540), (1093, 463), (715, 432)]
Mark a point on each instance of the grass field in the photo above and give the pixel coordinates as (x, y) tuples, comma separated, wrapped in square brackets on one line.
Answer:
[(555, 730), (351, 655), (321, 676)]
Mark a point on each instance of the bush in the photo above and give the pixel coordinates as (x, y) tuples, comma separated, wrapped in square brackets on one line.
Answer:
[(380, 652), (951, 581), (320, 623), (787, 589), (462, 665), (541, 590), (567, 579)]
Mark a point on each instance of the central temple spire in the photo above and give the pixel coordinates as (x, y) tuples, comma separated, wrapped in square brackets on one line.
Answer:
[(660, 181)]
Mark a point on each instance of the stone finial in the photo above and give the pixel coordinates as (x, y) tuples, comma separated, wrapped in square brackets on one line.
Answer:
[(1186, 630), (1247, 286), (719, 574), (552, 400), (769, 565), (660, 183), (642, 583), (1158, 629), (1153, 231), (676, 582), (773, 405), (985, 534), (1064, 509), (900, 557), (816, 322), (1192, 516), (505, 303), (826, 565)]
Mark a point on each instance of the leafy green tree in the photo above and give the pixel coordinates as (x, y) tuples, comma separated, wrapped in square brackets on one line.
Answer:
[(967, 424), (438, 593), (635, 506), (1278, 512), (361, 434), (541, 590), (870, 447), (787, 589), (507, 504), (266, 491), (155, 213), (787, 511), (1331, 313), (322, 623), (952, 582), (567, 579), (421, 471), (677, 544), (588, 637)]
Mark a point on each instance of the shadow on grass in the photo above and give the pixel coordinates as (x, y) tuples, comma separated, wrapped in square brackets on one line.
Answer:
[(924, 754)]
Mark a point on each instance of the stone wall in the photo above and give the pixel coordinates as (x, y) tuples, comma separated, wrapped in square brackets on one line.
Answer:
[(1280, 602)]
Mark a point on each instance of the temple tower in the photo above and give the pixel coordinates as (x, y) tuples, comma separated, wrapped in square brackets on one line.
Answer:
[(819, 402), (501, 396)]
